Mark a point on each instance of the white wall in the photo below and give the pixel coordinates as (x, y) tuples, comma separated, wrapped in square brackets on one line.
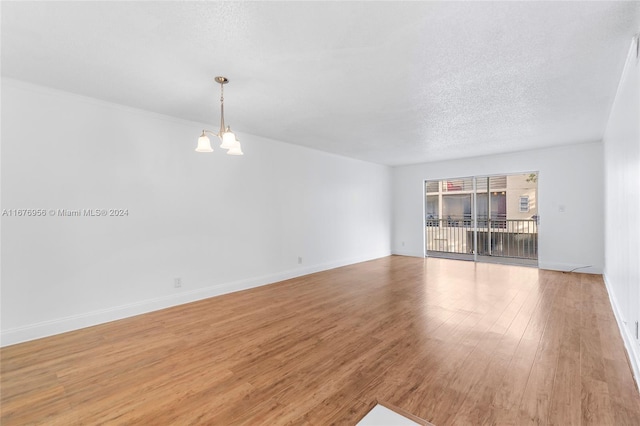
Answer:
[(570, 176), (622, 201), (218, 222)]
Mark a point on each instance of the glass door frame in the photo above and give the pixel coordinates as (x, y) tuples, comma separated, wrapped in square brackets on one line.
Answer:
[(511, 229)]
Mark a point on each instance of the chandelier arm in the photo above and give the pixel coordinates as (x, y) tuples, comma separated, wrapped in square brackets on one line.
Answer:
[(211, 132)]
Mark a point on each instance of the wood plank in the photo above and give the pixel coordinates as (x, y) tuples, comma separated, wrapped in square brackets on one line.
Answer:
[(565, 406)]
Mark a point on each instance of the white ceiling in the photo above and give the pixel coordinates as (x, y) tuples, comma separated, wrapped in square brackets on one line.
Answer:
[(388, 82)]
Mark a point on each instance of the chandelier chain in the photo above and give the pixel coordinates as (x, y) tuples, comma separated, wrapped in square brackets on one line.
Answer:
[(222, 125)]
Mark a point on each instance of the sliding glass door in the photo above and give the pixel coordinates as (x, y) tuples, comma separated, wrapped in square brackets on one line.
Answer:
[(449, 218), (489, 218)]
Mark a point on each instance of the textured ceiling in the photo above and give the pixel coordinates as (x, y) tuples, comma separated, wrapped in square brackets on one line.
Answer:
[(388, 82)]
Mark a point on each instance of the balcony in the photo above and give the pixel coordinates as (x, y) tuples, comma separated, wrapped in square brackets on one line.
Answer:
[(512, 238)]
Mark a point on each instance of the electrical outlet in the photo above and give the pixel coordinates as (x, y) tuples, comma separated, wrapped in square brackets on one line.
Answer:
[(299, 260), (403, 244), (177, 282)]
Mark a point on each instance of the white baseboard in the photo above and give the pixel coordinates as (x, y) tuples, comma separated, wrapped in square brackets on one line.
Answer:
[(88, 319), (407, 253), (629, 342), (566, 267)]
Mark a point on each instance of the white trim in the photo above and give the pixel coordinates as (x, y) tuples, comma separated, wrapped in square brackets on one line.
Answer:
[(567, 267), (630, 54), (88, 319), (632, 348), (407, 253)]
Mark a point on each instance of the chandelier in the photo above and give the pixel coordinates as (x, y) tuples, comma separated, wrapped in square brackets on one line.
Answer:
[(227, 137)]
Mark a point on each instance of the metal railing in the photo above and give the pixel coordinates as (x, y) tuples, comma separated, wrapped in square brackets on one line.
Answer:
[(517, 238)]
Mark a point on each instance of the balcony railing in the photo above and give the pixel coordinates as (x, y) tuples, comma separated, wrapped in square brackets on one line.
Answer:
[(517, 238)]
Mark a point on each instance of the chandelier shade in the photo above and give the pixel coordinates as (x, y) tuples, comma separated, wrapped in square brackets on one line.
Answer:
[(204, 144), (228, 139), (236, 149)]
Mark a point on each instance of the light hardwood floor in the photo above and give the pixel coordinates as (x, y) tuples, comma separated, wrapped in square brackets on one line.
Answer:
[(452, 342)]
